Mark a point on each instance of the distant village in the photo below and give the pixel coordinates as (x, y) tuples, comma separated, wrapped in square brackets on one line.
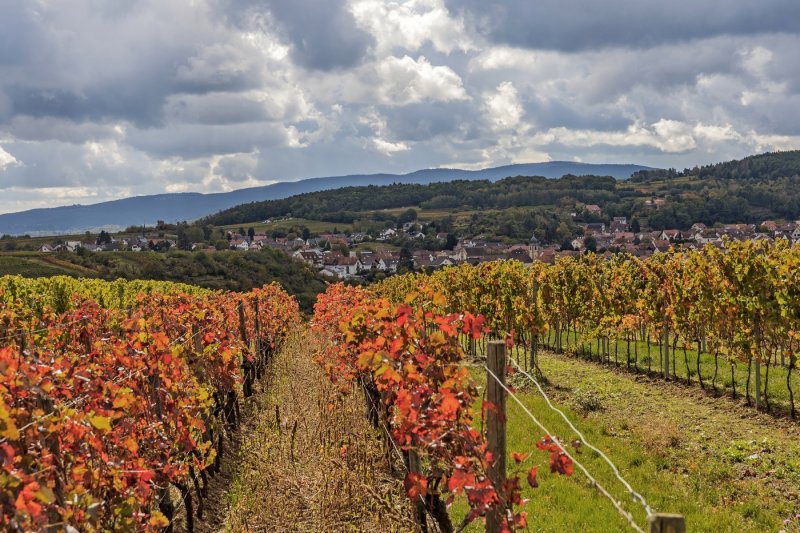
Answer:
[(332, 254)]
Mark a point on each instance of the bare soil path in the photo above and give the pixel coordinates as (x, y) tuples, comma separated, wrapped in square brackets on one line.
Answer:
[(306, 458)]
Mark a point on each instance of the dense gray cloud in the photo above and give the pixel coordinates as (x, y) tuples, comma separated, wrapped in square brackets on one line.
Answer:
[(107, 98), (323, 34), (571, 25)]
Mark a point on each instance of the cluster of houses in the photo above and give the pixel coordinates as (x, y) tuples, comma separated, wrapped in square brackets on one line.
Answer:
[(327, 253), (334, 263), (617, 236), (136, 244)]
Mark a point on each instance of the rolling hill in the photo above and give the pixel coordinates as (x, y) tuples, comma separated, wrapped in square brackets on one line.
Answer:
[(119, 214)]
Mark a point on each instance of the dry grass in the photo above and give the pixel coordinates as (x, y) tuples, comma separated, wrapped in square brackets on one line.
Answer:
[(311, 462)]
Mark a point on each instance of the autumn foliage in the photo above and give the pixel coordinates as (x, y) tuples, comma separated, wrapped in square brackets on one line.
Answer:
[(109, 393), (740, 302), (410, 354)]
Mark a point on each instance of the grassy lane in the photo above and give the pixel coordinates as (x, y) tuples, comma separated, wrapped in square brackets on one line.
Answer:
[(724, 466), (774, 383), (311, 462)]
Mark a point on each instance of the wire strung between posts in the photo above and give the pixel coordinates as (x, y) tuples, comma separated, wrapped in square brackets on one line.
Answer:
[(625, 514), (614, 468)]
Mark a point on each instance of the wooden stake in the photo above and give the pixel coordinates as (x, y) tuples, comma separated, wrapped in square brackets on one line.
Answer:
[(758, 382), (496, 425), (198, 347), (534, 362), (666, 350), (257, 340), (667, 523), (247, 366), (419, 506)]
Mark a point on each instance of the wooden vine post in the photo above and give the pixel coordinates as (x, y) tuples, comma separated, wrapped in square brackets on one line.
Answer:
[(257, 349), (196, 340), (665, 347), (165, 504), (667, 523), (534, 362), (496, 425), (414, 467), (758, 381), (23, 343), (247, 386)]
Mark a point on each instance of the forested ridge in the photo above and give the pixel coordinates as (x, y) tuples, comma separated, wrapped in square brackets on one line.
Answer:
[(344, 205), (750, 190)]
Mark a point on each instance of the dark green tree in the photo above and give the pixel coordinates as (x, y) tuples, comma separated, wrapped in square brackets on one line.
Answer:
[(409, 215), (406, 261), (590, 243), (183, 240)]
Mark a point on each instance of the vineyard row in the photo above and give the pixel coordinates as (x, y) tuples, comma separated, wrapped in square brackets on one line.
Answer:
[(726, 317), (110, 393)]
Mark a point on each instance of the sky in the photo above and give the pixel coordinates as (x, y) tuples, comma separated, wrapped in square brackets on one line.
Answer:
[(104, 99)]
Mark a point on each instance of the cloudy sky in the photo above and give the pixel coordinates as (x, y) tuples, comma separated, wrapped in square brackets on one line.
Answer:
[(103, 99)]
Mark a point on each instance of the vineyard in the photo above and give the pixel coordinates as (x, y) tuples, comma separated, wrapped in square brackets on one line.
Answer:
[(116, 397), (721, 318), (111, 393)]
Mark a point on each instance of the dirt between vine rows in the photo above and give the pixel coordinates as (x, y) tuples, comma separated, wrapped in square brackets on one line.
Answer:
[(305, 459)]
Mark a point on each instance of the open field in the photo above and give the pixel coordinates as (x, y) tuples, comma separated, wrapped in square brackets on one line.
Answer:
[(36, 264), (287, 225)]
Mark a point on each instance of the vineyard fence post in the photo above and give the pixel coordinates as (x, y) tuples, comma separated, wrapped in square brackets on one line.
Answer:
[(87, 341), (534, 362), (419, 506), (196, 340), (666, 350), (758, 382), (496, 426), (667, 523), (247, 386), (257, 341), (23, 343)]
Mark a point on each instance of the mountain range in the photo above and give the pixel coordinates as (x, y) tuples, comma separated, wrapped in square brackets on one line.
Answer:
[(119, 214)]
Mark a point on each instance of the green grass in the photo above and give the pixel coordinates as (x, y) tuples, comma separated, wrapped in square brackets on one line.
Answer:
[(697, 456), (34, 265)]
